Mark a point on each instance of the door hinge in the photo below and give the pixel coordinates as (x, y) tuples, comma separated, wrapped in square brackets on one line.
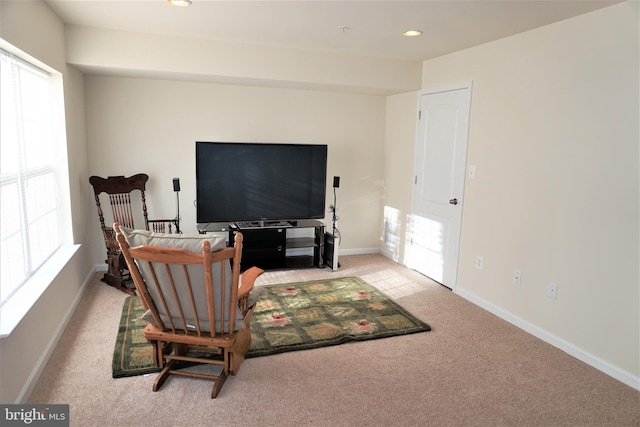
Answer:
[(415, 179), (419, 114)]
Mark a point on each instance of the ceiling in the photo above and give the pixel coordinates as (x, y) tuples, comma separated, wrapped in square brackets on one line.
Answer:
[(369, 28)]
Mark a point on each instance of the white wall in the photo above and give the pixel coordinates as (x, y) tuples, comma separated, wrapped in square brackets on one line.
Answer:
[(33, 28), (150, 126), (554, 137)]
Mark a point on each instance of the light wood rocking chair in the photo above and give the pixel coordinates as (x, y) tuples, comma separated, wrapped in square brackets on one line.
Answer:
[(120, 190), (198, 303)]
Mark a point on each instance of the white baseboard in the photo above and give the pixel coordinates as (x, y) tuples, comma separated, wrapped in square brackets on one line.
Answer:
[(388, 254), (580, 354), (359, 251)]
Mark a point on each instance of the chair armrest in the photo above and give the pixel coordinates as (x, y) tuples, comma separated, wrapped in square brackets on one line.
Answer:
[(247, 298), (247, 280)]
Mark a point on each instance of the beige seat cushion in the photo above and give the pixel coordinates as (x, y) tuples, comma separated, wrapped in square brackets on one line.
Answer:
[(193, 243)]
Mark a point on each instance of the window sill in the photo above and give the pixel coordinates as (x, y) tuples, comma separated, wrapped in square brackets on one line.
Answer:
[(17, 307)]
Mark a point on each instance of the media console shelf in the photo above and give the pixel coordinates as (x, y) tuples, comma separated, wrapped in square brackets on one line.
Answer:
[(283, 244)]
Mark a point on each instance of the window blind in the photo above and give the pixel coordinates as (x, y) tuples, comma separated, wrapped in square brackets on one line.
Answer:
[(28, 212)]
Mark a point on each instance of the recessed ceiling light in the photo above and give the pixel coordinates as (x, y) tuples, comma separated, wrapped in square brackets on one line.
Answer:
[(179, 2), (412, 33)]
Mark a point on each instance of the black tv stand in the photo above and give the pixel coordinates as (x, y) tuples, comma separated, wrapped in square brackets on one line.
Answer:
[(281, 244)]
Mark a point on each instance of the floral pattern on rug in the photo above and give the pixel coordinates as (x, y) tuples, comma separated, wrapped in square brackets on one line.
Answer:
[(362, 326), (305, 315)]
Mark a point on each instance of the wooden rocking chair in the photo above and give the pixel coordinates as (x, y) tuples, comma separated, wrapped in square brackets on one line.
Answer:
[(120, 190), (200, 307)]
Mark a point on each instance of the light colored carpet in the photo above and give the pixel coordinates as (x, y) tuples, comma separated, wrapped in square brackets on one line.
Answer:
[(472, 369)]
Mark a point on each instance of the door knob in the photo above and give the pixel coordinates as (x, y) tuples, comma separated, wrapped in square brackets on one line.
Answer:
[(453, 201)]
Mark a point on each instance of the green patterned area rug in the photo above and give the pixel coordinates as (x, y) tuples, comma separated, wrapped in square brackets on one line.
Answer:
[(288, 317), (133, 354)]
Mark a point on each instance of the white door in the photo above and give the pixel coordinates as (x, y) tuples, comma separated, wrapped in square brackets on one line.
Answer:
[(441, 155)]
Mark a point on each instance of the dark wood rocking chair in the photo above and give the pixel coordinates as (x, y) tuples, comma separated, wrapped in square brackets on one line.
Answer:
[(200, 306), (120, 190)]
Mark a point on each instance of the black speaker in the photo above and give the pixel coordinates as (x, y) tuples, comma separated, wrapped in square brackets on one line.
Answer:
[(336, 182), (176, 184)]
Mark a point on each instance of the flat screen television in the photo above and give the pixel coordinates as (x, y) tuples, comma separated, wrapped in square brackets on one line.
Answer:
[(260, 182)]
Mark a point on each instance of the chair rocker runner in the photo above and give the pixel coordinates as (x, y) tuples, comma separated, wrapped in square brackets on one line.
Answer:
[(120, 189), (198, 302)]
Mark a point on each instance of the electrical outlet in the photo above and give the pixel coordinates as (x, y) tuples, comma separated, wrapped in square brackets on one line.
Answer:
[(479, 262), (552, 291), (517, 277)]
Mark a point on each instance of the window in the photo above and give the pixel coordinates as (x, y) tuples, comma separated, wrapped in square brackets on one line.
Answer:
[(28, 191)]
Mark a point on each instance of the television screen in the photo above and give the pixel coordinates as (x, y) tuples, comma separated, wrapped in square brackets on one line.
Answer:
[(260, 181)]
